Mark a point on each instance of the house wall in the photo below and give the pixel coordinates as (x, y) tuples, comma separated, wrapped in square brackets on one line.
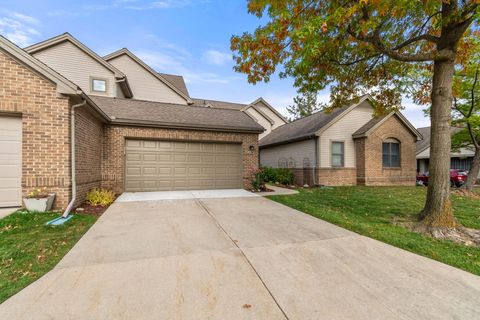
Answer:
[(261, 121), (342, 130), (77, 66), (88, 147), (113, 165), (337, 176), (272, 115), (296, 151), (45, 128), (369, 155), (144, 85)]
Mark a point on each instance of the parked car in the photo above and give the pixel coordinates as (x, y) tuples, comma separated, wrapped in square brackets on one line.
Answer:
[(457, 177)]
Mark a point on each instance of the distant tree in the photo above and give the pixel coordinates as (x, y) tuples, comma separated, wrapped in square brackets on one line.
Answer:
[(466, 115), (304, 105), (368, 46)]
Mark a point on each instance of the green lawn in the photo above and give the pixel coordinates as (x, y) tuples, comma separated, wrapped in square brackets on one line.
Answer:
[(372, 211), (29, 249)]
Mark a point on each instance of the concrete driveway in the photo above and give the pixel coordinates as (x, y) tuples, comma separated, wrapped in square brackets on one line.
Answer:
[(241, 256)]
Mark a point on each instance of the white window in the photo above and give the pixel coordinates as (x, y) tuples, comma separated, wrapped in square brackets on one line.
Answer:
[(338, 151), (99, 85)]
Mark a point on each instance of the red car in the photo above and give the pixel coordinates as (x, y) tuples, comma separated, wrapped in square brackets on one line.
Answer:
[(457, 177)]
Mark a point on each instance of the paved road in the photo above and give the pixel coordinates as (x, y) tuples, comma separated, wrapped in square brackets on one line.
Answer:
[(194, 256)]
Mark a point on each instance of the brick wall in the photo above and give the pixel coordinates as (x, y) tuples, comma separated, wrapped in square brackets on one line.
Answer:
[(88, 157), (113, 167), (369, 156), (337, 176), (45, 126)]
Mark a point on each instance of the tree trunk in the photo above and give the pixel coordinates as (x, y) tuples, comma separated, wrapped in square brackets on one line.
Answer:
[(438, 207), (473, 173)]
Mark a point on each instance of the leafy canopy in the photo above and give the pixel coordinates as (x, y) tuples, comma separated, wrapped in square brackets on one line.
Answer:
[(355, 47), (466, 105)]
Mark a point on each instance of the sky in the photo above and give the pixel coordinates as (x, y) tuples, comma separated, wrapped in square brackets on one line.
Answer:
[(186, 37)]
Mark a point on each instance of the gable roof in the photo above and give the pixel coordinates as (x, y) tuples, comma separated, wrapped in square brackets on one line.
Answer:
[(177, 81), (375, 122), (168, 115), (157, 75), (307, 127), (68, 37), (254, 103), (64, 85)]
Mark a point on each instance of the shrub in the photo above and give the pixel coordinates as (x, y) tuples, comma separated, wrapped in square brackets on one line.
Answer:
[(257, 182), (100, 197), (281, 175)]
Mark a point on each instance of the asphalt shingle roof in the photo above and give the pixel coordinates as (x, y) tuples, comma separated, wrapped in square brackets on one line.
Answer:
[(300, 129), (133, 111), (177, 81), (369, 125), (423, 144)]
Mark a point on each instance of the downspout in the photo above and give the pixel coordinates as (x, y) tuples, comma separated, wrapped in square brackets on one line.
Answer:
[(317, 151), (72, 157)]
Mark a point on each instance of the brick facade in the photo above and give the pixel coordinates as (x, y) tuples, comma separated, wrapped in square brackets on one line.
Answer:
[(369, 164), (113, 166), (337, 176), (45, 128), (88, 155)]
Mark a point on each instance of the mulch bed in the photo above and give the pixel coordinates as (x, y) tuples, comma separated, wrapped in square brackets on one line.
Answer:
[(90, 210)]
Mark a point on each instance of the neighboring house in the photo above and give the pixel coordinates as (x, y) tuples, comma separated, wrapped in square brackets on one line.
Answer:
[(459, 159), (127, 127), (347, 146)]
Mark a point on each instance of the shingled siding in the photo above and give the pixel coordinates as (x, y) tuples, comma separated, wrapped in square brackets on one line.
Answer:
[(45, 128), (88, 146), (113, 164), (370, 169)]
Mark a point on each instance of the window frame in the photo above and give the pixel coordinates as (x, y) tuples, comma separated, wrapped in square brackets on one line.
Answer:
[(332, 142), (92, 79), (391, 141)]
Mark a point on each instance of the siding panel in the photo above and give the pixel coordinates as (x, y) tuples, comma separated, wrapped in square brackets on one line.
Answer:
[(144, 85), (261, 121), (298, 151), (77, 66), (342, 130)]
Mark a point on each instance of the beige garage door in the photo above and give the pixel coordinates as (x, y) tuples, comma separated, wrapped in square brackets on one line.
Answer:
[(10, 161), (173, 165)]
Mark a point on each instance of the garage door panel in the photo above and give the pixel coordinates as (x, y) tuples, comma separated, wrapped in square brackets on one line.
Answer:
[(182, 166), (149, 157), (10, 161)]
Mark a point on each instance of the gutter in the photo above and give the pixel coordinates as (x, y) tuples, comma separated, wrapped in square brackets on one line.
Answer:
[(156, 124), (275, 144), (72, 157)]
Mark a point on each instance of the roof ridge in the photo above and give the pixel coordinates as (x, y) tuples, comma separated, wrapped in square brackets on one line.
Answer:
[(160, 102), (244, 104)]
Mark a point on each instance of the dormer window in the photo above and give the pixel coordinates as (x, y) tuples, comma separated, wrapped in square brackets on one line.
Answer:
[(99, 85)]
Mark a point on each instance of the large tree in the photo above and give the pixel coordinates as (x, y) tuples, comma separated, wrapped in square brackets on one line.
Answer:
[(368, 46)]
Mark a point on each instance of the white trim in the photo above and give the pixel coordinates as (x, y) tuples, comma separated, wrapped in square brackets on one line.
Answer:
[(268, 106), (127, 52)]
